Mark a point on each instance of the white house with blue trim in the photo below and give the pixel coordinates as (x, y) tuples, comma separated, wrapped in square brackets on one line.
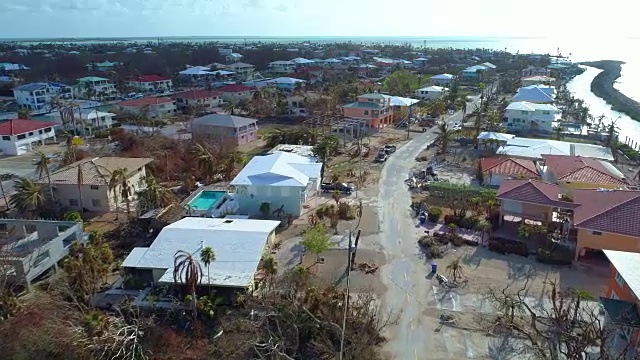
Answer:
[(280, 178), (525, 115), (442, 79), (541, 94)]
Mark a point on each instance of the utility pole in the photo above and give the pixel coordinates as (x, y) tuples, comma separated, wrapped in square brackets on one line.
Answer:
[(346, 300), (409, 122)]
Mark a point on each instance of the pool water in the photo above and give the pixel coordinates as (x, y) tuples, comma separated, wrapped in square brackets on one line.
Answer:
[(205, 199)]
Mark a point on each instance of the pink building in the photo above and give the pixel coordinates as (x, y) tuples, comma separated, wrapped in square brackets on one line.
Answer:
[(228, 129), (376, 108)]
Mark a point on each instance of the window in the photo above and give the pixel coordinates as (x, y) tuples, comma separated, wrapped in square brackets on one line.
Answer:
[(40, 131), (596, 233), (619, 279), (525, 112), (73, 202), (21, 136), (30, 133), (94, 187), (614, 296), (6, 138), (3, 227), (366, 112), (96, 202)]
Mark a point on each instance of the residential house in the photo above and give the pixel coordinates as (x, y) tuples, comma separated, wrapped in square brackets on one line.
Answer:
[(233, 58), (282, 83), (152, 107), (150, 83), (535, 71), (366, 70), (30, 248), (19, 135), (302, 62), (243, 71), (473, 73), (227, 129), (236, 92), (535, 148), (93, 193), (93, 87), (536, 80), (85, 121), (374, 109), (488, 140), (282, 66), (10, 67), (200, 100), (577, 172), (532, 200), (239, 245), (528, 116), (314, 73), (197, 74), (442, 80), (280, 179), (103, 66), (431, 92), (421, 63), (296, 104), (38, 96), (605, 220), (496, 169), (540, 94), (400, 106)]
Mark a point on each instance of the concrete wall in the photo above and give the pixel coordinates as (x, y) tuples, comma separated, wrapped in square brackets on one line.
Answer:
[(291, 197), (601, 241)]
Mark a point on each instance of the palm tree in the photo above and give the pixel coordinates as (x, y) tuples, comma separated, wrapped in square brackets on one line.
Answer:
[(445, 135), (493, 122), (119, 186), (24, 113), (187, 271), (270, 266), (324, 149), (205, 161), (455, 269), (462, 104), (230, 161), (5, 177), (557, 133), (28, 196), (231, 106), (42, 167), (154, 195), (207, 256), (612, 139), (80, 183)]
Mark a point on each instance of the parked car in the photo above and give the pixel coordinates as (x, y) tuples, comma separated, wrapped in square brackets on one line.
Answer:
[(342, 187), (390, 149), (381, 157)]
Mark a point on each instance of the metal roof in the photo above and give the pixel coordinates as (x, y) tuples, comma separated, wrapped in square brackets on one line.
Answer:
[(224, 120), (278, 169), (237, 243)]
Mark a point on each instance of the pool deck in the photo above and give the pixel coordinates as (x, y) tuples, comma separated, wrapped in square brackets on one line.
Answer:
[(197, 192)]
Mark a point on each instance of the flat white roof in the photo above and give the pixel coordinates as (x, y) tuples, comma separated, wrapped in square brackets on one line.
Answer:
[(278, 169), (237, 243), (627, 264), (432, 88), (535, 148)]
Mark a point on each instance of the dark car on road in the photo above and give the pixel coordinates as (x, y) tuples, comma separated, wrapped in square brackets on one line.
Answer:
[(342, 187)]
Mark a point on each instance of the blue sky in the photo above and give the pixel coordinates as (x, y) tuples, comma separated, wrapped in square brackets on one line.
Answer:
[(134, 18)]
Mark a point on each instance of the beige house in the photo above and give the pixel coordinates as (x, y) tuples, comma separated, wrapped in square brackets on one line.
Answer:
[(95, 174)]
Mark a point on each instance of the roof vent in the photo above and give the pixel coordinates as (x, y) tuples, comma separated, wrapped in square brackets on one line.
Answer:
[(228, 221), (572, 149)]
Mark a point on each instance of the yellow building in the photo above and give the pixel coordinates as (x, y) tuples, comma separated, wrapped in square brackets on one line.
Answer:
[(576, 172), (607, 219)]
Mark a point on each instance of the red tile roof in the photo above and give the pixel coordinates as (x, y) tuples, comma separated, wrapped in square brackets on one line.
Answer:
[(145, 101), (149, 78), (568, 168), (236, 88), (533, 192), (613, 211), (509, 166), (196, 94), (21, 126)]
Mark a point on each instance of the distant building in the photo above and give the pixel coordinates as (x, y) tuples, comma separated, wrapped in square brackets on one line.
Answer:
[(541, 94), (236, 92), (11, 67), (152, 107), (431, 93), (243, 71), (87, 121), (30, 248), (151, 83), (93, 87), (38, 96), (96, 173), (282, 66), (374, 109), (442, 79), (228, 129), (198, 99), (535, 71), (536, 80), (527, 116), (103, 66), (19, 135)]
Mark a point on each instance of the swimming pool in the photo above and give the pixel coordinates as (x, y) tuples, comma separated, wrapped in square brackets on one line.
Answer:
[(205, 199)]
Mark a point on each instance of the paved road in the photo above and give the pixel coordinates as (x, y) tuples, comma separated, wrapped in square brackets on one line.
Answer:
[(404, 275)]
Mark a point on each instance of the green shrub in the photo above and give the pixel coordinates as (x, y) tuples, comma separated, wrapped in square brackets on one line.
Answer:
[(346, 211), (434, 214), (457, 240)]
